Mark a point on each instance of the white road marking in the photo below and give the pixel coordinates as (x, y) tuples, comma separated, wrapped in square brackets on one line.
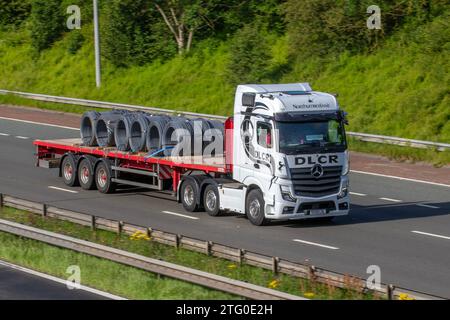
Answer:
[(426, 206), (431, 234), (180, 215), (315, 244), (4, 134), (61, 281), (358, 194), (390, 199), (400, 178), (22, 137), (61, 189), (40, 123)]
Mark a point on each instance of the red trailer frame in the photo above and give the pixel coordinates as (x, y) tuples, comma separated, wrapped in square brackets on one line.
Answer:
[(169, 167)]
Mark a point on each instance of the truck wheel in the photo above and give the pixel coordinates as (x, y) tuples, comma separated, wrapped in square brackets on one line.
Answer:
[(255, 207), (103, 179), (69, 171), (211, 200), (189, 196), (86, 175)]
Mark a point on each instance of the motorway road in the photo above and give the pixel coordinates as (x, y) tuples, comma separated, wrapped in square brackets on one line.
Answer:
[(401, 226), (16, 284)]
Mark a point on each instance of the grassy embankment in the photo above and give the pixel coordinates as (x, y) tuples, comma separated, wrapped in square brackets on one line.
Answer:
[(401, 89), (137, 284)]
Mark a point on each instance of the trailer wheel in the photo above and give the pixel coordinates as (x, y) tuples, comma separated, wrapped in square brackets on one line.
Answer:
[(69, 171), (189, 196), (254, 207), (103, 179), (86, 174), (211, 200)]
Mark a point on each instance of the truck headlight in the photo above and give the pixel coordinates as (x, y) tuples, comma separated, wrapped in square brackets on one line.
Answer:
[(346, 166), (286, 193)]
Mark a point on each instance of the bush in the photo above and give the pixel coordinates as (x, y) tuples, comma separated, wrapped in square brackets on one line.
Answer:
[(75, 41), (13, 12), (47, 23), (250, 56), (133, 33), (321, 28)]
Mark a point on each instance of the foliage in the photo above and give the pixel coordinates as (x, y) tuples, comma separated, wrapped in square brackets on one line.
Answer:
[(75, 40), (249, 60), (47, 23), (318, 28), (13, 12), (393, 81), (132, 35)]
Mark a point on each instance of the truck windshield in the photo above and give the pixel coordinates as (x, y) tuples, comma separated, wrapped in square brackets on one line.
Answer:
[(316, 136)]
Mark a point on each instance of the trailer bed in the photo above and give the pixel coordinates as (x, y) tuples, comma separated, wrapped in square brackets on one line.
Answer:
[(61, 146)]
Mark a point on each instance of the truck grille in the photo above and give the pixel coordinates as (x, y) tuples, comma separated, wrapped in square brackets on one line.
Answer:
[(307, 185)]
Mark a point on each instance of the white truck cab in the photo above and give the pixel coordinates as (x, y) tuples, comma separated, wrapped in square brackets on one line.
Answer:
[(290, 158)]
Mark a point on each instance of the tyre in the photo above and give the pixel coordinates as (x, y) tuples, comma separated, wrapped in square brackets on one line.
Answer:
[(254, 207), (211, 200), (69, 171), (86, 174), (103, 178), (189, 196)]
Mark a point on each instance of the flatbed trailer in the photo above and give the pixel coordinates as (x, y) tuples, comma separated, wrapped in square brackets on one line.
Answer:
[(51, 154)]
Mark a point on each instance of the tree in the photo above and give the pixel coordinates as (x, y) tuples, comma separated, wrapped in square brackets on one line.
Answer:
[(250, 56), (132, 33), (185, 17), (47, 23), (13, 12), (323, 28)]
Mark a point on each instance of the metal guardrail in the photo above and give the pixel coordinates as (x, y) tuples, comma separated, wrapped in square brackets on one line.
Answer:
[(171, 270), (399, 141), (110, 105), (238, 255), (105, 105)]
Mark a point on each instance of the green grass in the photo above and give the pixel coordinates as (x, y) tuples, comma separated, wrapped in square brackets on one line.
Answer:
[(99, 273), (9, 99), (401, 89), (152, 249)]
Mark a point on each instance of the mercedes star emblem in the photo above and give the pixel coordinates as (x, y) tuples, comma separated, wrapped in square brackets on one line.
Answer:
[(317, 171)]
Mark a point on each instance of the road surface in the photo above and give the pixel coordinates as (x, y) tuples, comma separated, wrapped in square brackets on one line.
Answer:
[(18, 283)]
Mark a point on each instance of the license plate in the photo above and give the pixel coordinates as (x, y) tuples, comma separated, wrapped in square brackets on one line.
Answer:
[(318, 212)]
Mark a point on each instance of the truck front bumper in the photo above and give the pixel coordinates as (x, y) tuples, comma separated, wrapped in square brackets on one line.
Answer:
[(310, 207)]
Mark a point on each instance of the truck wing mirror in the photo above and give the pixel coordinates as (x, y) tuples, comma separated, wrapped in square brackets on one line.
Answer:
[(344, 117), (248, 99)]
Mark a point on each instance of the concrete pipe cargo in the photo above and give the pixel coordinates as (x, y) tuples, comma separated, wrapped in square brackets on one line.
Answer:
[(87, 128), (105, 127), (177, 130), (138, 131), (155, 133)]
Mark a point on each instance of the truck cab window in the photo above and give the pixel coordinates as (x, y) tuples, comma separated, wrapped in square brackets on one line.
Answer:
[(264, 134)]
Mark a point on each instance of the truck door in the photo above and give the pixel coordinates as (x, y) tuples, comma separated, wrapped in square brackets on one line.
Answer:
[(263, 165)]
